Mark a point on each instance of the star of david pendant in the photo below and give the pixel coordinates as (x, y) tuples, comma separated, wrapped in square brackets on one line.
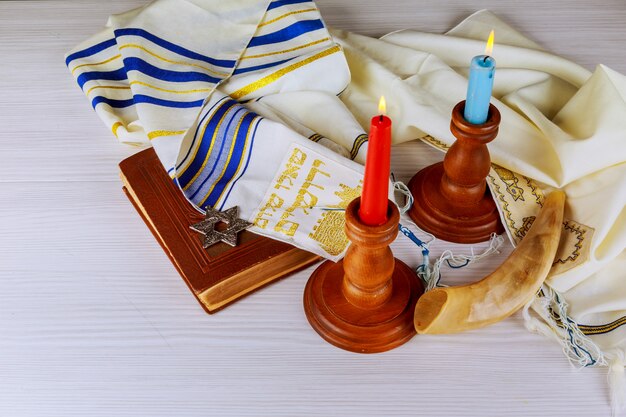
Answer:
[(212, 218)]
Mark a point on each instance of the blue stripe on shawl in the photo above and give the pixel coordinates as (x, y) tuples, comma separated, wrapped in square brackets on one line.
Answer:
[(144, 67), (195, 136), (233, 164), (226, 63), (216, 163), (118, 104), (279, 3), (140, 98), (92, 50), (292, 31), (117, 75), (205, 143), (245, 166), (258, 67)]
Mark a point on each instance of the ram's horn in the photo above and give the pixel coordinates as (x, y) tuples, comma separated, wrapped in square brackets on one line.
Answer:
[(506, 290)]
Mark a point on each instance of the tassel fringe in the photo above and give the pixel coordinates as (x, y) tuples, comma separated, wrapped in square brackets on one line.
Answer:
[(550, 319)]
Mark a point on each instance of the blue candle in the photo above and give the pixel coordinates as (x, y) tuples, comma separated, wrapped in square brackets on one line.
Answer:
[(482, 70)]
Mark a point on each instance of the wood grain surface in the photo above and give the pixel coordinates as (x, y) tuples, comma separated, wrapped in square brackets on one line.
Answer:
[(94, 319)]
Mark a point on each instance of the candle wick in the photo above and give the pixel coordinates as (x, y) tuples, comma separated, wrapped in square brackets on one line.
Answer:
[(485, 58), (380, 117)]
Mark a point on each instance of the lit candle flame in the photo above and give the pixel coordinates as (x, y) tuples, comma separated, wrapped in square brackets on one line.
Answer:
[(382, 106), (489, 47)]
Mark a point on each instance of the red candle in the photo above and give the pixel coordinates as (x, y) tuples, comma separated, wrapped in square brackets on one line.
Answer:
[(373, 209)]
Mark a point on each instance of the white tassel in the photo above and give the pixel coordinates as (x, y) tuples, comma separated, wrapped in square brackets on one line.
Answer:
[(431, 276), (557, 325), (617, 380), (535, 325), (401, 187), (460, 261)]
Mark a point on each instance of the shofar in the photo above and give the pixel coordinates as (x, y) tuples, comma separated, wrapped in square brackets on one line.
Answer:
[(503, 292)]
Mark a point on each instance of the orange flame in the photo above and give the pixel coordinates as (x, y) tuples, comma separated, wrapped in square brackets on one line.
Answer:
[(489, 47), (382, 106)]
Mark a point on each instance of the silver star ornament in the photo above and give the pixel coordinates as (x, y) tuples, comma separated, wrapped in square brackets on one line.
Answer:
[(228, 235)]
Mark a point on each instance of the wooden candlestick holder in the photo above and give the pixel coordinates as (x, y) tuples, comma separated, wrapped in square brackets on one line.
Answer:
[(452, 200), (365, 302)]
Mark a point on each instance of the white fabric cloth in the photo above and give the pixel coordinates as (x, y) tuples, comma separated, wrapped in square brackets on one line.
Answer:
[(238, 98), (174, 74), (562, 127)]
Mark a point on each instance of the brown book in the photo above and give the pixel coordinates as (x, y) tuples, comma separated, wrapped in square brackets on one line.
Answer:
[(220, 274)]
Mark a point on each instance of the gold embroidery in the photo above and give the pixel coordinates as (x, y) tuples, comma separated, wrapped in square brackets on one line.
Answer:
[(289, 231), (115, 126), (356, 145), (347, 194), (112, 87), (166, 90), (504, 206), (273, 203), (575, 243), (304, 200), (159, 133), (328, 231), (515, 208), (589, 329), (527, 222), (316, 137), (285, 15), (329, 234), (435, 142), (510, 180), (535, 191), (127, 87), (294, 163), (250, 88), (579, 232), (95, 63)]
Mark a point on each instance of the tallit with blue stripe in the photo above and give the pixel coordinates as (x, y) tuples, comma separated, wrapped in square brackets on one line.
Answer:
[(212, 86)]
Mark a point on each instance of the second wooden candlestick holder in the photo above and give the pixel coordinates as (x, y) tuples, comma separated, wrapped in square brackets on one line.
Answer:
[(365, 302), (452, 200)]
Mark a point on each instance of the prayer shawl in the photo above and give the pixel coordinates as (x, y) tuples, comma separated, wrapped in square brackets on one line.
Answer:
[(239, 99), (213, 86)]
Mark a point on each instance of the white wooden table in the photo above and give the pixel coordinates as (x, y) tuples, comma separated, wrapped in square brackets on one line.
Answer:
[(94, 320)]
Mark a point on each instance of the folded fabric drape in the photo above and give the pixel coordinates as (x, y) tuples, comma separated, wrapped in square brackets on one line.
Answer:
[(562, 127), (253, 103), (239, 100)]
